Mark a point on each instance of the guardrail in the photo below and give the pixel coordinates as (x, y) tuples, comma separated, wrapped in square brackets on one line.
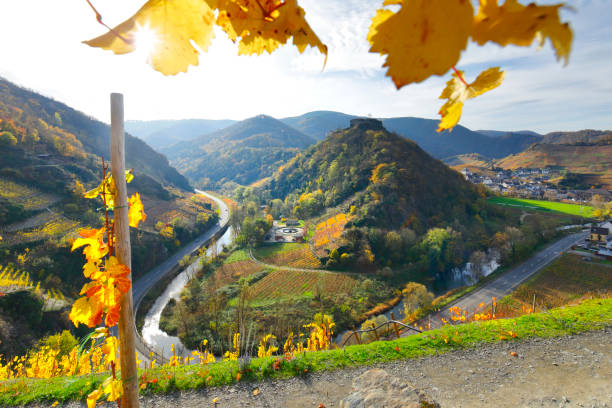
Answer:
[(396, 328)]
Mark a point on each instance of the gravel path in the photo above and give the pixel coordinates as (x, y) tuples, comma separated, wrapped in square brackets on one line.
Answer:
[(571, 371)]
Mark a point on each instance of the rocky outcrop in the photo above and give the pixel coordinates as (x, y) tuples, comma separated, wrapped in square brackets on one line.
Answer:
[(377, 389)]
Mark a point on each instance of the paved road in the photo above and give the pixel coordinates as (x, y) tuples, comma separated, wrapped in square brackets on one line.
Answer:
[(505, 283), (142, 286)]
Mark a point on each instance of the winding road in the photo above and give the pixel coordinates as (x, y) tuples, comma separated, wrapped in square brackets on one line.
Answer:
[(142, 286)]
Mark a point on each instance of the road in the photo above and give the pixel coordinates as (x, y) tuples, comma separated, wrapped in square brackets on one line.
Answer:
[(142, 286), (506, 283)]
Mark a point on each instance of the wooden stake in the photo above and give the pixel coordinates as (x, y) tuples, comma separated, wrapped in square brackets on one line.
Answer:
[(395, 326), (129, 373)]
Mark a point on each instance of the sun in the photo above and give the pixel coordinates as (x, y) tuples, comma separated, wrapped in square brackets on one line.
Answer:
[(145, 40)]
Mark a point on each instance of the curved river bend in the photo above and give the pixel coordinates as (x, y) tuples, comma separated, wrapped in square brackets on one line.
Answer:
[(151, 333)]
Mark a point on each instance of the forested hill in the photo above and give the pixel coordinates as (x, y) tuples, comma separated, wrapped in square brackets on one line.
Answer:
[(243, 152), (389, 180), (42, 126)]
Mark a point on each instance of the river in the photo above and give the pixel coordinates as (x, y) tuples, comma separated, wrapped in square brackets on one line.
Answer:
[(151, 333)]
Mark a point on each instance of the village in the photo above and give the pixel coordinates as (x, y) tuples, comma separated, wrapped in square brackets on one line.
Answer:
[(533, 183)]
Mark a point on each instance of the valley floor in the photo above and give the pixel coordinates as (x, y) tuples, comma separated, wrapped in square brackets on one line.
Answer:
[(571, 371)]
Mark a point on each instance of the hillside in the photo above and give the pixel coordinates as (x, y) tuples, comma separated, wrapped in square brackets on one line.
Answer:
[(163, 133), (51, 154), (593, 162), (388, 179), (243, 152), (64, 132)]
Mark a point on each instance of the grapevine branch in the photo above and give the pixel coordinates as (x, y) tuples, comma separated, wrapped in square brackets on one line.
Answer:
[(99, 19), (460, 76)]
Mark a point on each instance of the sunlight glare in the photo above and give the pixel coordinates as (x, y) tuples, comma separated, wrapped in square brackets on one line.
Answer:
[(145, 40)]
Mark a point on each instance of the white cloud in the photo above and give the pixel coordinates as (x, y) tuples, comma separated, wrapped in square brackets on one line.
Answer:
[(41, 50)]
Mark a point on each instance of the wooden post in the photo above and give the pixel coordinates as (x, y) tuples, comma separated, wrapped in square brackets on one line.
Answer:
[(358, 338), (395, 325), (129, 373), (533, 304)]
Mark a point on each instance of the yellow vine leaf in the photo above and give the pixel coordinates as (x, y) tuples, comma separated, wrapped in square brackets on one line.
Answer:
[(136, 212), (514, 23), (86, 311), (264, 25), (174, 24), (95, 248), (424, 38), (109, 348), (107, 189), (457, 92), (113, 388), (93, 397)]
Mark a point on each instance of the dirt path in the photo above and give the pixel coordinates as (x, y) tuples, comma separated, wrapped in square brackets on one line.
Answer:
[(572, 371)]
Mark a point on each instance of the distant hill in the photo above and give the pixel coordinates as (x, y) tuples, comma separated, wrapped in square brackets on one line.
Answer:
[(460, 141), (581, 137), (467, 160), (390, 181), (500, 133), (318, 124), (163, 133), (243, 152)]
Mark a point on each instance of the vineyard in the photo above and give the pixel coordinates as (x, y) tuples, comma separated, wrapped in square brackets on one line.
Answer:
[(565, 280), (231, 272), (286, 284), (293, 255), (12, 280), (328, 232), (42, 226), (25, 196)]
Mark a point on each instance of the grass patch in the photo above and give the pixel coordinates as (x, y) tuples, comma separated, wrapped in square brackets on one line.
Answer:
[(539, 205), (238, 255), (590, 315), (269, 250)]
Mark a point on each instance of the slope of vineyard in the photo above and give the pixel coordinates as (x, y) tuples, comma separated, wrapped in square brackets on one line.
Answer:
[(288, 254), (281, 284)]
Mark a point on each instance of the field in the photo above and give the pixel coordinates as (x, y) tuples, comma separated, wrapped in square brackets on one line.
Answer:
[(291, 284), (564, 281), (293, 255), (29, 198), (565, 208)]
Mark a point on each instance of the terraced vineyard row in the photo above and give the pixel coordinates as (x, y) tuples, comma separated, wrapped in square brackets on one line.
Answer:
[(296, 284), (12, 279), (52, 225), (29, 198), (300, 257)]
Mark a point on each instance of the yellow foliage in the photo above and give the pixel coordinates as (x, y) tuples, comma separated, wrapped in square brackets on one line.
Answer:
[(424, 38), (257, 26), (457, 92), (136, 211), (513, 23), (173, 24)]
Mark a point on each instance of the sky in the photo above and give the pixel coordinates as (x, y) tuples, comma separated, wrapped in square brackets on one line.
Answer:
[(41, 49)]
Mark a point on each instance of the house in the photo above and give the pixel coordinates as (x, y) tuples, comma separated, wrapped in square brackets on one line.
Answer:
[(600, 235)]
